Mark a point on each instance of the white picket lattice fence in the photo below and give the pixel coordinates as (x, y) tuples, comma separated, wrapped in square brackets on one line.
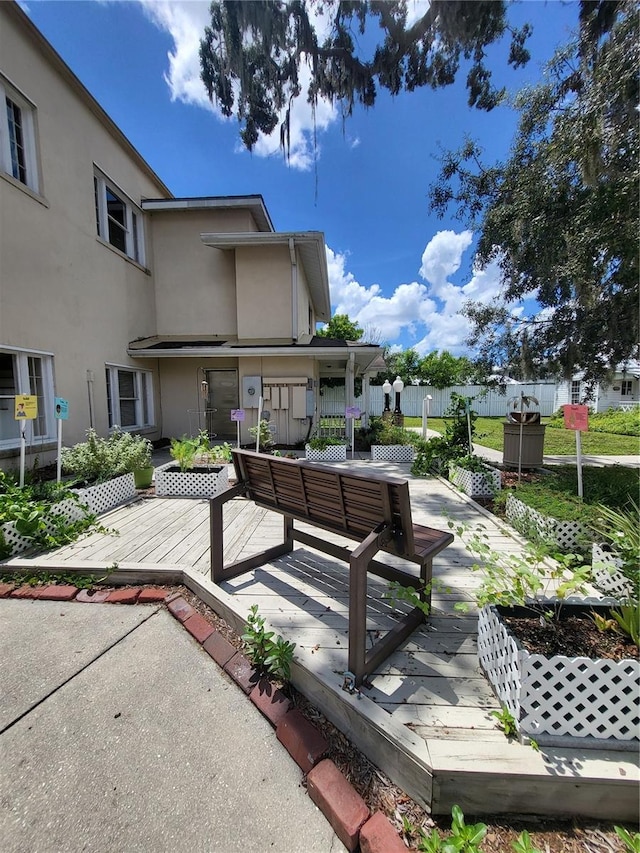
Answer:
[(556, 696), (198, 483), (331, 453), (607, 575), (567, 535), (392, 452), (477, 484)]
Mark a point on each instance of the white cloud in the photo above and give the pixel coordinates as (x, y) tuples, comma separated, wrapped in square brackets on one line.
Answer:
[(427, 313), (185, 23)]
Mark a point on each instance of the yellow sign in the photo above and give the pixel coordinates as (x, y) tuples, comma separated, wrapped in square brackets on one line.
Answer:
[(26, 407)]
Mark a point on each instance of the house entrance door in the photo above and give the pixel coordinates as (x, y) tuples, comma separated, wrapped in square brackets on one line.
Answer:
[(223, 396)]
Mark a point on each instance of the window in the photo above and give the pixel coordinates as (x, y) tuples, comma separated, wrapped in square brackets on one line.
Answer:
[(118, 220), (129, 397), (626, 388), (23, 372), (575, 391), (18, 137)]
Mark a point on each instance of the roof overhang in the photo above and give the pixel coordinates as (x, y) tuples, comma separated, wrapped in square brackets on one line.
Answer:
[(308, 245), (254, 203), (333, 360)]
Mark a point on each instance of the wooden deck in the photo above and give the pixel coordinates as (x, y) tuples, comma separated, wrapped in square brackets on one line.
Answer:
[(425, 718)]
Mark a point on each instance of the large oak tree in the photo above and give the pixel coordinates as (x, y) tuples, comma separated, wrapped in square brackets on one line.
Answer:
[(560, 216), (253, 53)]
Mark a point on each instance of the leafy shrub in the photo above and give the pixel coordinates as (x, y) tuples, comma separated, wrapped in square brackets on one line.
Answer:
[(437, 453), (472, 463), (321, 442), (99, 459)]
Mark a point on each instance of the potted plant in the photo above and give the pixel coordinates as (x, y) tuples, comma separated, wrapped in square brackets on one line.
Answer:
[(134, 453), (192, 473), (544, 648), (616, 553), (325, 449), (100, 470), (474, 476)]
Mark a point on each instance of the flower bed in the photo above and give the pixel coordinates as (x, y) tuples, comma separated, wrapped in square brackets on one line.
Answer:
[(567, 535), (105, 496), (199, 482), (558, 695), (476, 484)]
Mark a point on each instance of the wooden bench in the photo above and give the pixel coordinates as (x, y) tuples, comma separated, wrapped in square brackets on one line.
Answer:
[(371, 509)]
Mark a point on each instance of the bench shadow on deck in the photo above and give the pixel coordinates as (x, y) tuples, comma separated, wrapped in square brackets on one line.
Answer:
[(423, 717)]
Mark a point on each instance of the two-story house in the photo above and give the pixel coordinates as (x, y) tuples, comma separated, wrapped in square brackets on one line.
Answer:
[(153, 313)]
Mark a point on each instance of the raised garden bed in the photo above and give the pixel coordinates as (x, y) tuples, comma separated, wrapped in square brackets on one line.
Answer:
[(566, 535), (331, 453), (392, 452), (476, 484), (594, 700), (201, 481)]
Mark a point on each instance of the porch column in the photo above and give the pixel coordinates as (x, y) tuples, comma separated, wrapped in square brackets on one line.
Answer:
[(348, 381), (366, 400)]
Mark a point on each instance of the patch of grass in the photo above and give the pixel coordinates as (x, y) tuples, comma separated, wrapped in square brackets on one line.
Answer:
[(557, 442)]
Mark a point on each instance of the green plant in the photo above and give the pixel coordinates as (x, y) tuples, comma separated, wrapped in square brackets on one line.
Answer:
[(524, 579), (524, 844), (506, 721), (264, 434), (99, 459), (631, 842), (437, 453), (183, 450), (463, 838), (621, 530), (272, 655), (321, 442), (472, 463), (397, 592), (627, 620)]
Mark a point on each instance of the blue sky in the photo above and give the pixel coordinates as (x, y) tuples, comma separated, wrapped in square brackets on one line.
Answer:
[(395, 268)]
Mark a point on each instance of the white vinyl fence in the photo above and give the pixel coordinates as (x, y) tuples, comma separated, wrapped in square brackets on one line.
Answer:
[(485, 402)]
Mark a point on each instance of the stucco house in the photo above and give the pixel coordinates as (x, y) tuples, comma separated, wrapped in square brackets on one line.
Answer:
[(153, 313)]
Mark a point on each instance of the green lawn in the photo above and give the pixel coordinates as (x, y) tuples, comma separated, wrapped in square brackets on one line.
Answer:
[(489, 432)]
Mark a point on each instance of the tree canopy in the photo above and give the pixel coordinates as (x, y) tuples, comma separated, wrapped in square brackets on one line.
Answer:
[(560, 215), (340, 327), (252, 56), (438, 369)]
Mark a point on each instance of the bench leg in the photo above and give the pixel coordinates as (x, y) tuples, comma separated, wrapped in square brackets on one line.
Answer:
[(358, 565), (220, 572)]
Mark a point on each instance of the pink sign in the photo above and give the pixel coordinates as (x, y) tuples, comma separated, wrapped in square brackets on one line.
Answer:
[(576, 417)]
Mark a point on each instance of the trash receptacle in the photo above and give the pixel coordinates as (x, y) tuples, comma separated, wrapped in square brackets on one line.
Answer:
[(531, 453)]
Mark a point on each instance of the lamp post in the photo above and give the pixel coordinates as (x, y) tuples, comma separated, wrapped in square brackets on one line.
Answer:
[(425, 415), (398, 385), (386, 390)]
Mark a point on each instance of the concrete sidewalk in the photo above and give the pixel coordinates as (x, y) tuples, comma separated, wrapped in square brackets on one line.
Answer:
[(119, 733)]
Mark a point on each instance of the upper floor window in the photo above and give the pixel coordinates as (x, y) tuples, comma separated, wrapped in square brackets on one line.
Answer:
[(118, 220), (18, 137), (23, 372), (575, 391)]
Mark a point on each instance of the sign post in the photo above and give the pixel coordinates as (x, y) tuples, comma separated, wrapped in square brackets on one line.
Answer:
[(61, 412), (260, 404), (237, 415), (576, 417), (353, 413), (26, 410)]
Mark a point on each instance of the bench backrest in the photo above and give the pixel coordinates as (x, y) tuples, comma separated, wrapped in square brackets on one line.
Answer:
[(340, 501)]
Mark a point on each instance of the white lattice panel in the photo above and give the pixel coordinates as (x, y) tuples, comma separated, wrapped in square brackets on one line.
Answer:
[(477, 484), (332, 453), (567, 535), (560, 695), (106, 496), (607, 575), (581, 697), (71, 510), (392, 453), (191, 484)]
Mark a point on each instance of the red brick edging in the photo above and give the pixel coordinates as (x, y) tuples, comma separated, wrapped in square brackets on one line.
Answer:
[(327, 786)]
